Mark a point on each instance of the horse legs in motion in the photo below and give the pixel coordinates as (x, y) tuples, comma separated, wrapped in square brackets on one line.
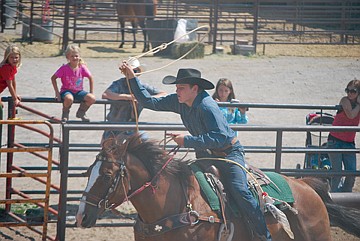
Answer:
[(137, 12)]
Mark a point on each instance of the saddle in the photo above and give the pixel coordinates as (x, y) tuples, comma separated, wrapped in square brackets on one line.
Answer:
[(270, 190), (215, 193), (209, 178)]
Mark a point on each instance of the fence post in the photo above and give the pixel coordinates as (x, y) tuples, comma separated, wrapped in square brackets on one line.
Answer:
[(10, 155), (255, 25), (2, 15), (216, 18), (66, 25), (278, 151), (64, 163)]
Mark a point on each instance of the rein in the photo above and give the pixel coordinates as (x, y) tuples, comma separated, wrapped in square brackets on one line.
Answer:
[(190, 217), (99, 201), (150, 183)]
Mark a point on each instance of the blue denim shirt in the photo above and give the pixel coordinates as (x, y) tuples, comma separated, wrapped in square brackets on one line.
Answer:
[(204, 120), (122, 111)]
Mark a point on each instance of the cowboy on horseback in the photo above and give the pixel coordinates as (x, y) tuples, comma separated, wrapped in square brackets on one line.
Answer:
[(211, 136)]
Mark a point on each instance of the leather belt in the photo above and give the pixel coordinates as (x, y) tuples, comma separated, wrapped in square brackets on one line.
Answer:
[(221, 152)]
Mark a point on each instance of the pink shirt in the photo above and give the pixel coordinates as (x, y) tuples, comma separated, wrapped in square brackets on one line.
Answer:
[(342, 120), (72, 79), (7, 72)]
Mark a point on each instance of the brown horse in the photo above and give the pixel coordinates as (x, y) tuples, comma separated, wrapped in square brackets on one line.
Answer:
[(170, 204), (137, 12)]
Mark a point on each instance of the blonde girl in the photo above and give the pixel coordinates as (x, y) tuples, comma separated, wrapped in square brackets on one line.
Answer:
[(72, 77), (8, 69)]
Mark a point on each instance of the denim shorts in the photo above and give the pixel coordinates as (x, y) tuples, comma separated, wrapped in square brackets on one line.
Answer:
[(79, 96)]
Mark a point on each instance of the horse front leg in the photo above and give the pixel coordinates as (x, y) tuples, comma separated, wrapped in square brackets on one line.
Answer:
[(146, 42), (122, 30), (134, 26)]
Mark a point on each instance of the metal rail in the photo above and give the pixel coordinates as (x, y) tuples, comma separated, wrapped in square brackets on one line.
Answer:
[(68, 171), (257, 21), (12, 172)]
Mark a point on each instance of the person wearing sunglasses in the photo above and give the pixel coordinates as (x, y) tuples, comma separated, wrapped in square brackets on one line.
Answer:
[(348, 115)]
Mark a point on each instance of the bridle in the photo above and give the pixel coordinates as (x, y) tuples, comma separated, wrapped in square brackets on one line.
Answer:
[(104, 202), (122, 175), (190, 217)]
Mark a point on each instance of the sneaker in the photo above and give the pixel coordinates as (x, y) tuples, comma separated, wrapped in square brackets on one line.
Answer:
[(85, 118), (82, 116)]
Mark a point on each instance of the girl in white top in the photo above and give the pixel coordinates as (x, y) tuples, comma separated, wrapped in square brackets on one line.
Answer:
[(224, 92)]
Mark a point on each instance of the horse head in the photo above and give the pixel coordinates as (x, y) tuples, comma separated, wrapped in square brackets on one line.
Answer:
[(107, 178), (126, 160)]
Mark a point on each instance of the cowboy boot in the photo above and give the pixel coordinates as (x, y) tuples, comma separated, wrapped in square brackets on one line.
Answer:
[(81, 112), (65, 114)]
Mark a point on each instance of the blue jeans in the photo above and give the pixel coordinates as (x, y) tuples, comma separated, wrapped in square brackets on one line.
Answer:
[(79, 96), (236, 182), (337, 159)]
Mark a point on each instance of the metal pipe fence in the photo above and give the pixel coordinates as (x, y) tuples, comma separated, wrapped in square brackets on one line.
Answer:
[(70, 148), (259, 22)]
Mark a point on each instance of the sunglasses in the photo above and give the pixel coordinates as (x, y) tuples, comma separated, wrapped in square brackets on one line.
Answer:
[(351, 91)]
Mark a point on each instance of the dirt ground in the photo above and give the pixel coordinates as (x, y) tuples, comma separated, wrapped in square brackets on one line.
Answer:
[(285, 75)]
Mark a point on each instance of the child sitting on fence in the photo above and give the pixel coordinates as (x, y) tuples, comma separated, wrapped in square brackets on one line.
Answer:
[(8, 69), (72, 77)]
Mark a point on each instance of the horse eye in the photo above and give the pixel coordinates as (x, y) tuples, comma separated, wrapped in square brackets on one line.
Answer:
[(107, 178)]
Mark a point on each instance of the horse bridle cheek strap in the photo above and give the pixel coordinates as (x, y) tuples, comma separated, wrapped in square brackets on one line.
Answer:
[(119, 176), (98, 202)]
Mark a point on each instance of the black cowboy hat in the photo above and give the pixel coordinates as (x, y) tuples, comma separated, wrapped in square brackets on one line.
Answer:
[(188, 76)]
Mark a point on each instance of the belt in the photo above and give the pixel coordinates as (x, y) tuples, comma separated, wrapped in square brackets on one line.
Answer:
[(221, 152)]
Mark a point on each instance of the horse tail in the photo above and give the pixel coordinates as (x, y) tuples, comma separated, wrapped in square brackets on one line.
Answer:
[(343, 217)]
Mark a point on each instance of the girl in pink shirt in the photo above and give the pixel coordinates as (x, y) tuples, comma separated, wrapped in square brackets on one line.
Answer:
[(72, 77), (8, 69)]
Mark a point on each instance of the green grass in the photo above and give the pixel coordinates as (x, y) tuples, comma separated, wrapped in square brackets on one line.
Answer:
[(19, 208)]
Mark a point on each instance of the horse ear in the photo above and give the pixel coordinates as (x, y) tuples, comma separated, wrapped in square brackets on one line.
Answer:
[(115, 146), (107, 143)]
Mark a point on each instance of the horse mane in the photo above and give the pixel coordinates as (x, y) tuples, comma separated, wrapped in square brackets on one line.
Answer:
[(150, 154)]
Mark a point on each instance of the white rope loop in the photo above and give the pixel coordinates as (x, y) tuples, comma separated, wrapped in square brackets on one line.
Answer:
[(163, 46), (156, 50)]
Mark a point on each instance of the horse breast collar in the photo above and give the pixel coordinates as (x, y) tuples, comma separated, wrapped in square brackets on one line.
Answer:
[(172, 222)]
